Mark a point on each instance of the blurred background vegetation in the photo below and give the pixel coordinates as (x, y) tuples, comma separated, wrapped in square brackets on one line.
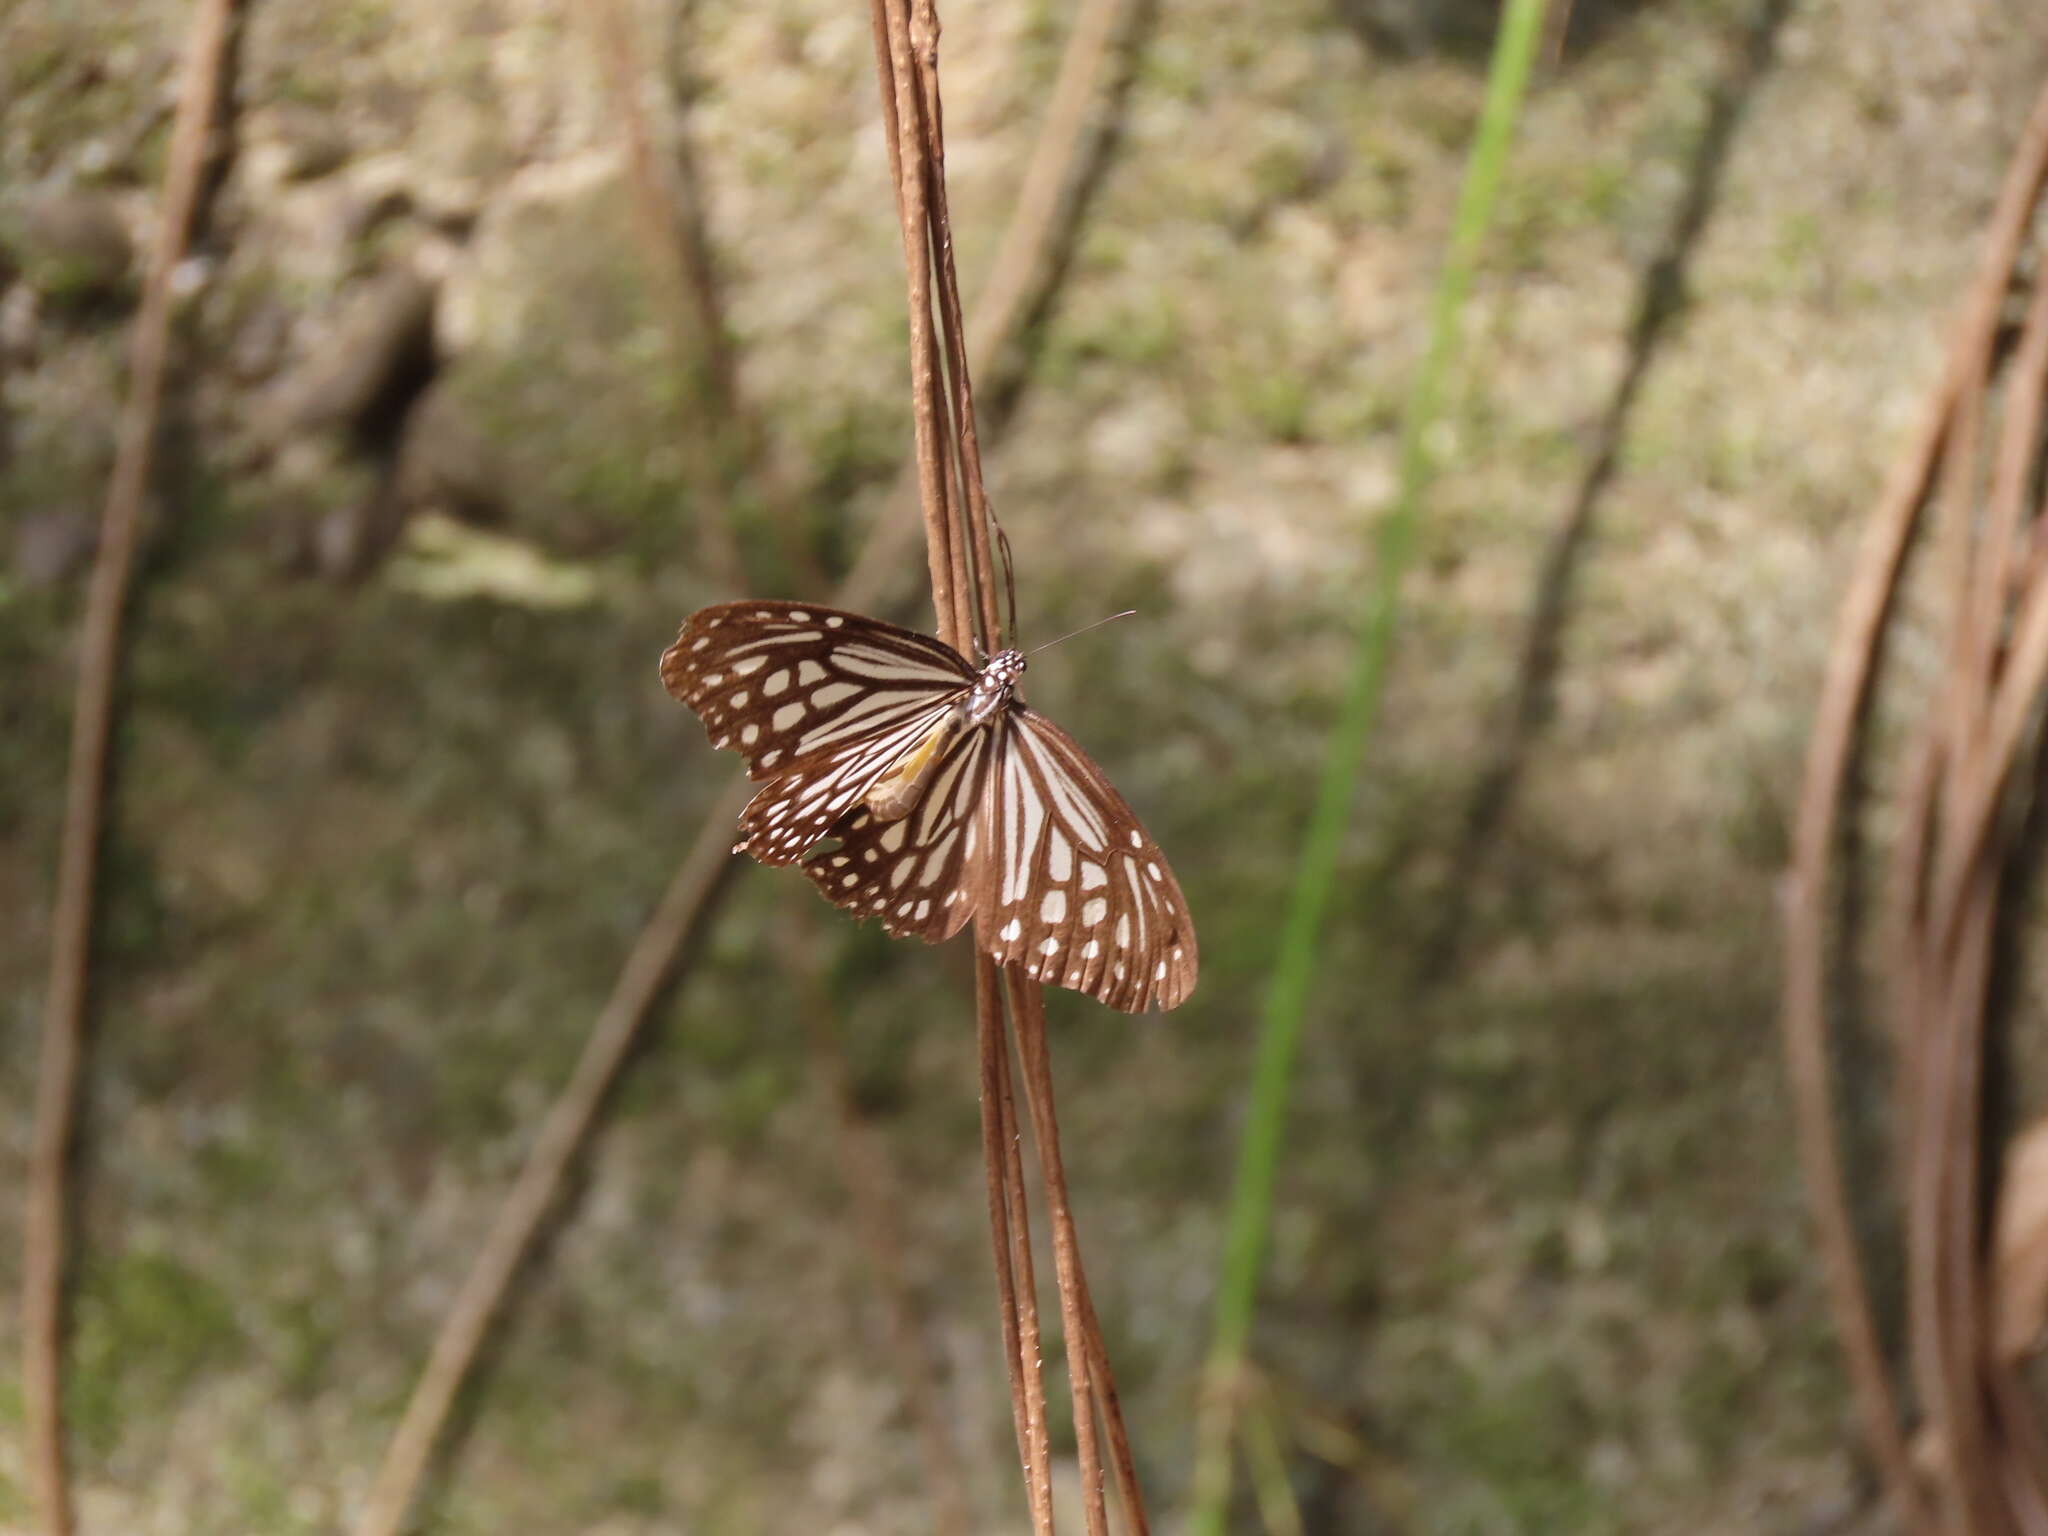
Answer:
[(397, 782)]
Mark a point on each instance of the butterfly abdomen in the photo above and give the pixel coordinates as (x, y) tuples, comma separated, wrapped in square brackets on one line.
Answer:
[(895, 795)]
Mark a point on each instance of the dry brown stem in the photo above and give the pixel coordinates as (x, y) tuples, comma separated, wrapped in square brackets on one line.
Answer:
[(1042, 221), (1029, 250), (1944, 889), (1027, 1015), (43, 1261), (1016, 1283), (964, 595)]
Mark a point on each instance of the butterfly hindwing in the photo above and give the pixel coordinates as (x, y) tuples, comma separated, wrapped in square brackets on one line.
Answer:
[(784, 683), (914, 873), (1073, 889)]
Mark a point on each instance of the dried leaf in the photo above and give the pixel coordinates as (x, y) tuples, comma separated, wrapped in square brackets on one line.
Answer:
[(2019, 1277)]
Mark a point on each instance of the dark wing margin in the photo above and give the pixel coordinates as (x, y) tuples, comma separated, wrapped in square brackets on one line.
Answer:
[(1073, 889)]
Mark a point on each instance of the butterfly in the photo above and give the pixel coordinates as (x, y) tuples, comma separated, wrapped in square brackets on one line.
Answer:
[(945, 798)]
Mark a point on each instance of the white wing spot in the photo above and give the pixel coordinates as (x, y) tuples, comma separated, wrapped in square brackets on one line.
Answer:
[(1092, 875), (788, 715), (808, 672), (749, 667), (1010, 931), (1136, 840), (719, 745), (714, 679), (700, 642), (935, 865), (1091, 949), (798, 616), (1053, 908), (1152, 869), (1159, 971), (750, 734), (1123, 931), (739, 700), (833, 621), (777, 683), (1118, 970), (853, 879), (764, 613), (832, 693), (893, 838), (923, 910), (769, 759), (1049, 947), (900, 873), (1094, 910), (868, 855), (1060, 857), (840, 861)]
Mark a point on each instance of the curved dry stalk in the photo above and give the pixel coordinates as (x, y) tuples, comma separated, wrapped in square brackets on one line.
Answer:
[(1960, 932), (43, 1260), (1844, 689), (1030, 247)]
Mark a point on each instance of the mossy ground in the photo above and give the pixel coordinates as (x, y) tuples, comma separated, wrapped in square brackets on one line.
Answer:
[(1541, 1259)]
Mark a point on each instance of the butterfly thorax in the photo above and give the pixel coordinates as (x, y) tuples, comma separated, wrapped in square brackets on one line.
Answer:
[(896, 793), (992, 690)]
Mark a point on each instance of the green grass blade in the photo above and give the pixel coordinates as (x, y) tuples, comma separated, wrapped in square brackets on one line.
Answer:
[(1294, 969)]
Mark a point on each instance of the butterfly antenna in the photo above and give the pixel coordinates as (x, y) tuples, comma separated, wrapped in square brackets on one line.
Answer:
[(1081, 631), (1009, 573)]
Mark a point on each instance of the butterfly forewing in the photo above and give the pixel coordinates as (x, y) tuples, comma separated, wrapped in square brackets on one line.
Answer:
[(913, 873), (820, 703), (1073, 889), (784, 682)]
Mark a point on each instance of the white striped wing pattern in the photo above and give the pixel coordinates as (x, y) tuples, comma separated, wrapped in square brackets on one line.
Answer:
[(1014, 827), (1075, 891)]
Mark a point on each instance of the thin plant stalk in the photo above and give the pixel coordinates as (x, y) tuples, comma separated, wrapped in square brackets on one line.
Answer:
[(1295, 968), (959, 559), (1027, 1016), (1845, 689), (92, 729), (1010, 1230)]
